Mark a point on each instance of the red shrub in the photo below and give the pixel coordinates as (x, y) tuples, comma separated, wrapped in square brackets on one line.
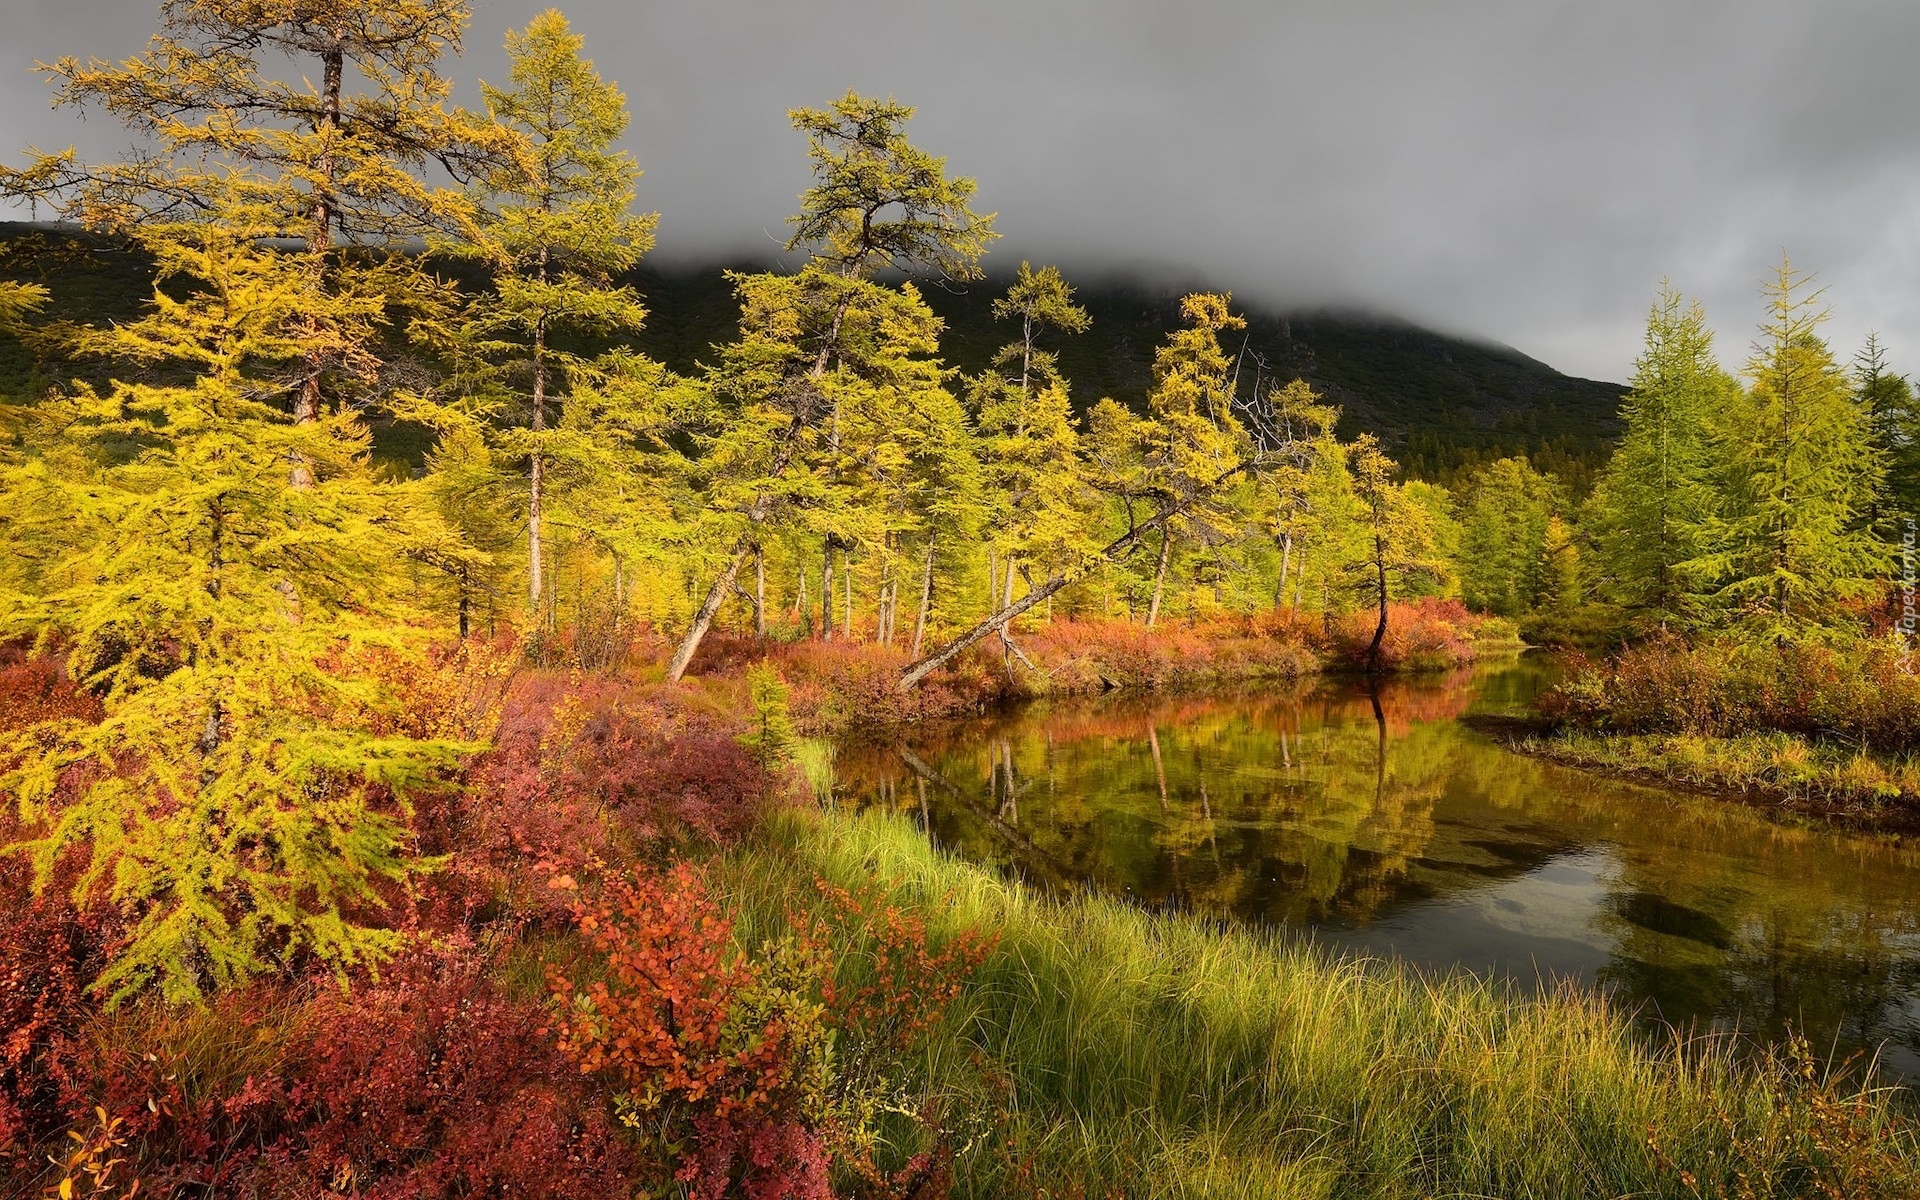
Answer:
[(433, 1083), (702, 1059), (429, 1083), (1422, 635), (755, 1073), (583, 767), (840, 684), (37, 689), (49, 952)]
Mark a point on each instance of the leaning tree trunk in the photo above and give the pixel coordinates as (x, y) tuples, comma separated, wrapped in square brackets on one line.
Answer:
[(997, 622), (704, 618)]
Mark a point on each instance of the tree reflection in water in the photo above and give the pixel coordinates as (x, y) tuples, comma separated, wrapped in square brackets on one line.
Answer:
[(1377, 820)]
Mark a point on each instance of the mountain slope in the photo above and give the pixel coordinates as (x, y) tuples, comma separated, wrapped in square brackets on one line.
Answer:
[(1441, 404)]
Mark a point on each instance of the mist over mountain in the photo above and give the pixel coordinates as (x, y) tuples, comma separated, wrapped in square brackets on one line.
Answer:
[(1441, 402)]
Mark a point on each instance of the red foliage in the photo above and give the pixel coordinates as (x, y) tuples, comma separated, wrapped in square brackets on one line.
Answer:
[(584, 767), (889, 983), (841, 684), (429, 1083), (37, 689), (673, 1023), (723, 1056), (1422, 635), (49, 952), (433, 1083)]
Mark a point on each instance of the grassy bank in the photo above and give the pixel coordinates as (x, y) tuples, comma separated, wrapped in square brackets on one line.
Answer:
[(1777, 770), (1142, 1055), (1823, 730)]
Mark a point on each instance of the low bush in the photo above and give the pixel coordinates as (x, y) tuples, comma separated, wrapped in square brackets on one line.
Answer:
[(36, 688), (430, 1082), (1422, 635), (843, 685), (585, 766), (1863, 692), (49, 952), (781, 1075)]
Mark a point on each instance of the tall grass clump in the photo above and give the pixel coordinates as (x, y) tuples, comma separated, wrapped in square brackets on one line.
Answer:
[(1136, 1054)]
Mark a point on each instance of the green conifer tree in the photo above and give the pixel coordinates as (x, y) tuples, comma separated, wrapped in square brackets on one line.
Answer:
[(1503, 540), (1652, 508), (1894, 411), (1801, 469)]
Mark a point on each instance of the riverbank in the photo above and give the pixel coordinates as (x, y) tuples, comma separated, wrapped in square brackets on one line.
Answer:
[(1126, 1053), (1807, 731), (831, 1008), (1777, 772), (841, 686)]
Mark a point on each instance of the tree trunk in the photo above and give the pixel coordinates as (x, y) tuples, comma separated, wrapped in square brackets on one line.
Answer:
[(826, 592), (914, 672), (704, 618), (926, 600), (1379, 630), (306, 406), (536, 492), (1286, 561), (1160, 577), (759, 593)]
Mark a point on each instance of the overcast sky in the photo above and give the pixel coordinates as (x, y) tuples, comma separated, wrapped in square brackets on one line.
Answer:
[(1525, 171)]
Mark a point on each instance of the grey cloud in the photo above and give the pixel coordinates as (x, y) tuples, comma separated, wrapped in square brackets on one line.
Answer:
[(1523, 170)]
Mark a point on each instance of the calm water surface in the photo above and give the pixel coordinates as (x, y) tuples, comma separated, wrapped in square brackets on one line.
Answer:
[(1380, 823)]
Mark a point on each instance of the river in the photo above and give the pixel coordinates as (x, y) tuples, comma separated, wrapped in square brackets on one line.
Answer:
[(1378, 822)]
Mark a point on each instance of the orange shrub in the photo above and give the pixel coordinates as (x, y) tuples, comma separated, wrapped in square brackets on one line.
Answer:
[(1422, 635)]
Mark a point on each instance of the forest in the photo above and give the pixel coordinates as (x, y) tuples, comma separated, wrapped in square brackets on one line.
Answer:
[(418, 702)]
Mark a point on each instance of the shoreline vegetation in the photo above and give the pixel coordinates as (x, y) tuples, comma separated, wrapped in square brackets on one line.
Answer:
[(851, 687), (858, 1015), (1812, 731)]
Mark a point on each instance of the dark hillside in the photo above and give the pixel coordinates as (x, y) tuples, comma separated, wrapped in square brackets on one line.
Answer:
[(1441, 403)]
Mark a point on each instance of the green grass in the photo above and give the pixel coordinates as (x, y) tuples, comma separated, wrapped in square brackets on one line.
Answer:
[(1154, 1055), (1809, 774)]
